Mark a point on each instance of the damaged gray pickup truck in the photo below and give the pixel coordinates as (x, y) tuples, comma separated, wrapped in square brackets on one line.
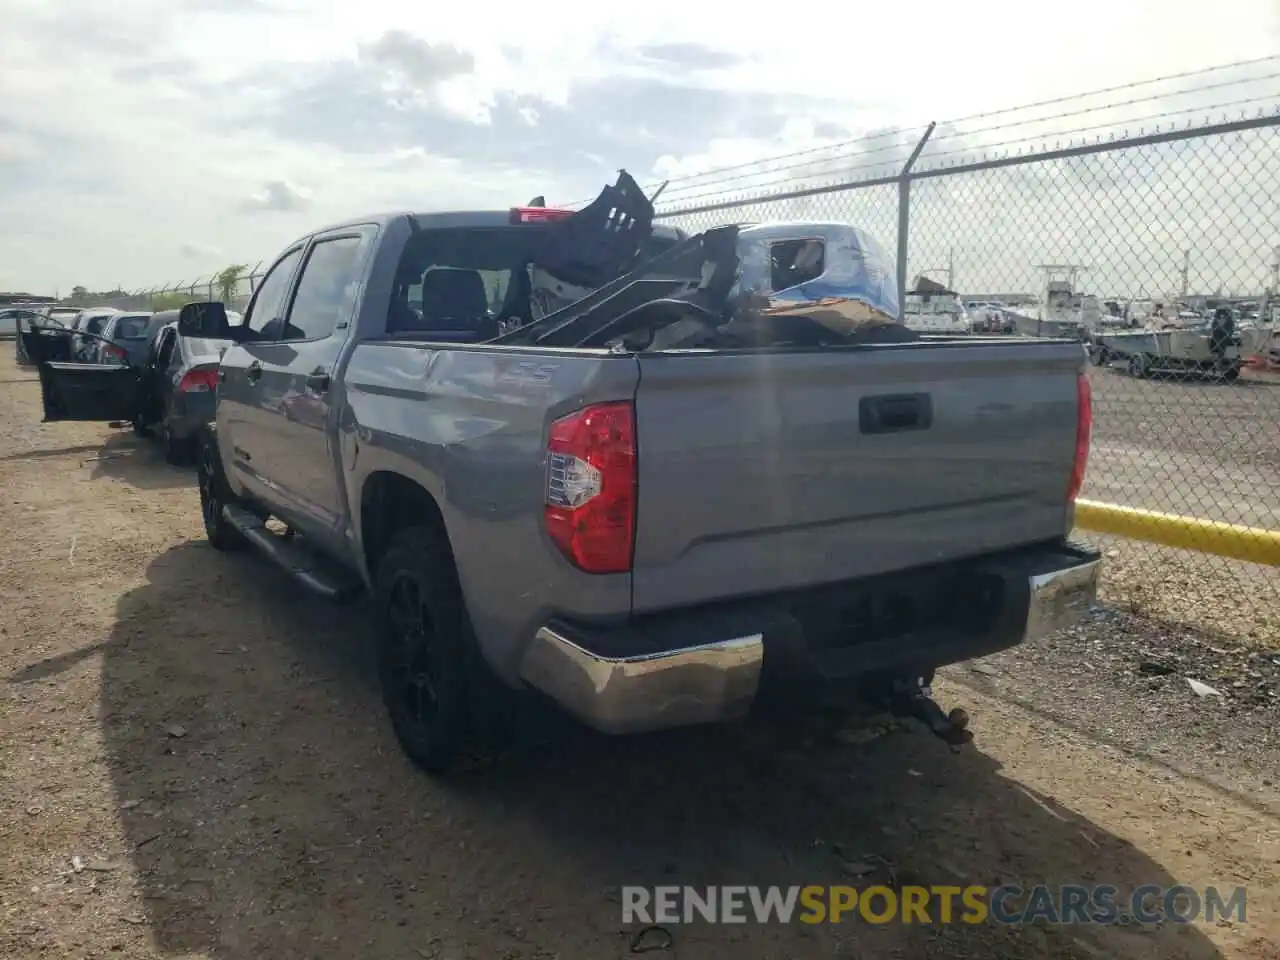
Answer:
[(656, 478)]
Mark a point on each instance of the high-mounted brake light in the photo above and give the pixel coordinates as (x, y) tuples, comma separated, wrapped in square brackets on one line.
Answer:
[(199, 381), (538, 214), (591, 487), (1084, 431)]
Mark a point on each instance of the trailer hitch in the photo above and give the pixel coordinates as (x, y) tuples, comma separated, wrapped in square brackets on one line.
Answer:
[(914, 698)]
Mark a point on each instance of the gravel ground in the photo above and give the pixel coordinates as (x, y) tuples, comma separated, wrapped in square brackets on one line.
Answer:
[(194, 763), (1128, 681), (1216, 596)]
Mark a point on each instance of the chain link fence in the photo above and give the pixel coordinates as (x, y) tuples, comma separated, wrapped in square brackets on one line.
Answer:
[(234, 291), (1134, 245)]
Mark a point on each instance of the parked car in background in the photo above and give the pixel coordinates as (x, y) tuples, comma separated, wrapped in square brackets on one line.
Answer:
[(8, 321), (129, 337), (14, 320), (51, 325), (177, 384), (162, 383), (86, 349), (991, 317)]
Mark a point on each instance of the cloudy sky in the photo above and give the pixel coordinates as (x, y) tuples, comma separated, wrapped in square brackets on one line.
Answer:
[(146, 141)]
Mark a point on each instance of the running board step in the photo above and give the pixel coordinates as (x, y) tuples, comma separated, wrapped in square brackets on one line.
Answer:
[(316, 574)]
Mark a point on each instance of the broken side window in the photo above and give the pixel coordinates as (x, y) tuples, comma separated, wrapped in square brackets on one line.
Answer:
[(793, 262)]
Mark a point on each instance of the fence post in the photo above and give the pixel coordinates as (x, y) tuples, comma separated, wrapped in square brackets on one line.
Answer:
[(904, 218)]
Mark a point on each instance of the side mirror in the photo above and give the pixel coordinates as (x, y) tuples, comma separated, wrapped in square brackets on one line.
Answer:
[(207, 320)]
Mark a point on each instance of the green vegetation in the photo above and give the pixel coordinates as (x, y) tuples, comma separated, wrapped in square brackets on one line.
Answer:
[(225, 285), (83, 297), (170, 301)]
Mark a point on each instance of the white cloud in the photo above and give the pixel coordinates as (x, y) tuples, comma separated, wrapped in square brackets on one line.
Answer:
[(122, 123), (195, 251), (279, 196)]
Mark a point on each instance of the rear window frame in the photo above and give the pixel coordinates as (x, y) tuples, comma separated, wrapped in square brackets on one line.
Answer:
[(117, 329)]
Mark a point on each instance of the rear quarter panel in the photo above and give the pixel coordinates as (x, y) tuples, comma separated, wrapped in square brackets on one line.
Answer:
[(469, 425)]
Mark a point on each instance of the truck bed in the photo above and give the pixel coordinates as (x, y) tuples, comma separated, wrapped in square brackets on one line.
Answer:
[(762, 472), (757, 472)]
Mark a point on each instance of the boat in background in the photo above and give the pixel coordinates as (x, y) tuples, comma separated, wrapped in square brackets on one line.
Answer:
[(929, 307)]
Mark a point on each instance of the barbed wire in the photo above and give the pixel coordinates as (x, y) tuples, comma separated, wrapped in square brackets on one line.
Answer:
[(861, 158), (1152, 118), (931, 154), (987, 114), (793, 179), (1111, 106)]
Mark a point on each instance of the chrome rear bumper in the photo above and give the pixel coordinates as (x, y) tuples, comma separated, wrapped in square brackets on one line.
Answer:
[(1059, 598), (700, 684), (713, 681)]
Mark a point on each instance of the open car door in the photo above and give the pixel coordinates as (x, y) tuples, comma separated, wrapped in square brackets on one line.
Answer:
[(44, 340), (90, 391), (23, 321)]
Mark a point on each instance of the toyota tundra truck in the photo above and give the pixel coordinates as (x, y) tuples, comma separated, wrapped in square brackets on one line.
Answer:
[(657, 478)]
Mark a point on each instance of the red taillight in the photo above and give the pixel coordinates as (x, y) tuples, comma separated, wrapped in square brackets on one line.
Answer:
[(199, 381), (538, 214), (591, 487), (1084, 430), (115, 352)]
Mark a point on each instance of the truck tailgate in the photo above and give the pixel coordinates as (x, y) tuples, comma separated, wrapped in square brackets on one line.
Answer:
[(760, 472)]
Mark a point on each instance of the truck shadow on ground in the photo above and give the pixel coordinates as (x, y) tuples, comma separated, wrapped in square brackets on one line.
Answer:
[(269, 812), (139, 462), (136, 460)]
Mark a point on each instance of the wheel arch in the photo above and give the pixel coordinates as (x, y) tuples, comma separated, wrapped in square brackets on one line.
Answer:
[(391, 501)]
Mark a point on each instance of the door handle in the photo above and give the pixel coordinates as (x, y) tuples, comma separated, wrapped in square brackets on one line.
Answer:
[(318, 380), (254, 372)]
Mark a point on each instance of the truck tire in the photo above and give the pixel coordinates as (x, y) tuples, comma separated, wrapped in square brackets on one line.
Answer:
[(426, 657), (214, 494), (1139, 365)]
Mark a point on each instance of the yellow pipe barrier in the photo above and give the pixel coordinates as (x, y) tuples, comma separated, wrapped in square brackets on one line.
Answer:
[(1189, 533)]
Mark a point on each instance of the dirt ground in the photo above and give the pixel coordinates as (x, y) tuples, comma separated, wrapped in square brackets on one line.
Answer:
[(194, 763)]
